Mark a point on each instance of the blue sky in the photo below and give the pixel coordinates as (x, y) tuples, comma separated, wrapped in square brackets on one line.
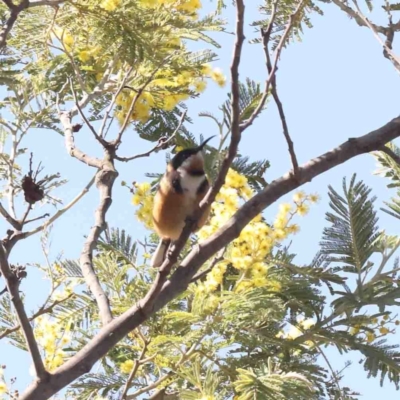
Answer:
[(335, 84)]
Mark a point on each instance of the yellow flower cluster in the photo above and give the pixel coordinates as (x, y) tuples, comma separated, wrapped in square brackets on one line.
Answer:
[(214, 278), (3, 388), (375, 329), (165, 91), (143, 198), (86, 54), (51, 337), (248, 252), (189, 6), (64, 36), (110, 5), (127, 366)]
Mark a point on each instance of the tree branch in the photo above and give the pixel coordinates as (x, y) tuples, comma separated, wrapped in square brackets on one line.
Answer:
[(111, 105), (13, 222), (387, 46), (360, 21), (65, 119), (12, 284), (41, 311), (118, 140), (15, 10), (46, 3), (37, 218), (28, 209), (266, 37), (103, 142), (278, 51), (104, 181), (134, 370), (219, 257), (23, 235)]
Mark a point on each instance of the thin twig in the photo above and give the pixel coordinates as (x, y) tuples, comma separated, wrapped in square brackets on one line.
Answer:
[(117, 141), (149, 387), (37, 218), (28, 210), (114, 98), (387, 49), (334, 376), (89, 125), (13, 222), (278, 51), (154, 385), (100, 87), (266, 38), (134, 370), (41, 311), (59, 213), (71, 58), (51, 3), (219, 257), (161, 144), (12, 287), (15, 10), (353, 14), (10, 182)]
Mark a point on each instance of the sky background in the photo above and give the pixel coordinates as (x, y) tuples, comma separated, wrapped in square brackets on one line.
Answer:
[(334, 84)]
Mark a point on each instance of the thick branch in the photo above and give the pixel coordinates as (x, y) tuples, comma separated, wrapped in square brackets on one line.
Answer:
[(105, 178), (12, 284), (104, 181), (65, 119)]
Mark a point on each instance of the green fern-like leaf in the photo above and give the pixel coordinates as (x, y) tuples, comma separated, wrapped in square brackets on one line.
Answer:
[(353, 231)]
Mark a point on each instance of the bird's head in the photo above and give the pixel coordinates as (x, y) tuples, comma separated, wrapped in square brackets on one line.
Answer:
[(190, 159)]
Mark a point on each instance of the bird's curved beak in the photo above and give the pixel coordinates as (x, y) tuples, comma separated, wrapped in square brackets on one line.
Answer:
[(204, 143)]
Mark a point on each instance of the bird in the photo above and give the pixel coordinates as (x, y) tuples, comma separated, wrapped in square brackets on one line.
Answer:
[(181, 189)]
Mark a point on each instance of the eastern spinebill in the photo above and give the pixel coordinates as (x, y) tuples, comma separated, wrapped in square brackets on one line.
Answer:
[(180, 192)]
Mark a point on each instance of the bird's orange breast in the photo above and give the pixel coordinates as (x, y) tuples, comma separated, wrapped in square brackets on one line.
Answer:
[(171, 209)]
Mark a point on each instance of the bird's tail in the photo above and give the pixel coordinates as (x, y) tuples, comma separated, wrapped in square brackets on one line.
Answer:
[(160, 253)]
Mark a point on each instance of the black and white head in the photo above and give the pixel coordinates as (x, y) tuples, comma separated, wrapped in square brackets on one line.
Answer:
[(190, 159)]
